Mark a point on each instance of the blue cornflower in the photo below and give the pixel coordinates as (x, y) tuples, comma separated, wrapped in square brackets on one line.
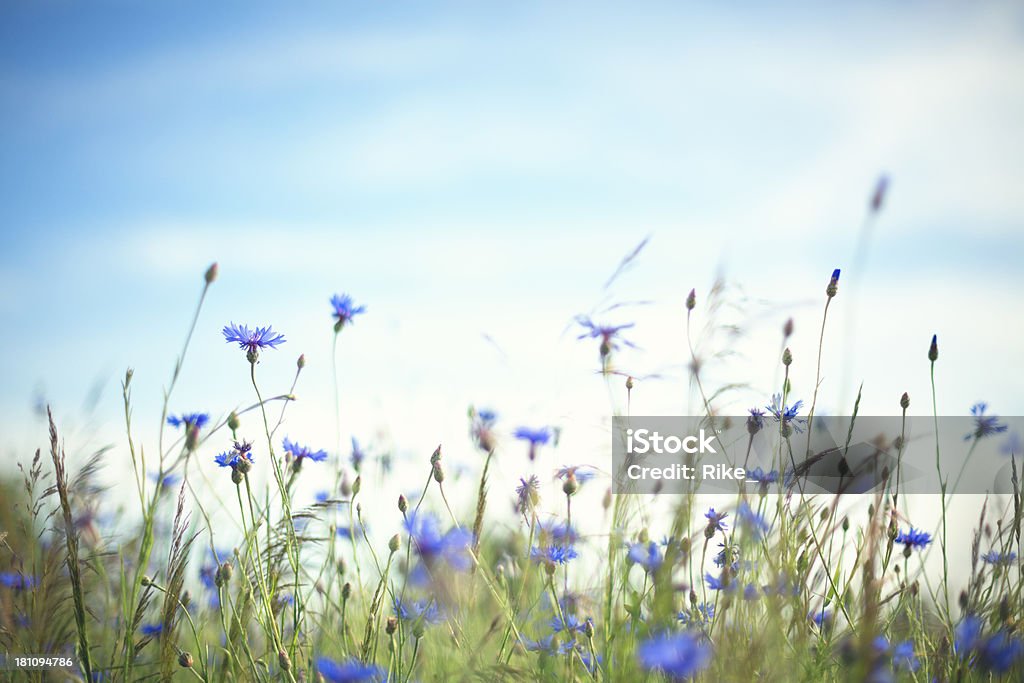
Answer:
[(425, 611), (451, 547), (559, 532), (999, 652), (300, 453), (252, 340), (241, 453), (732, 552), (481, 428), (715, 522), (755, 422), (913, 539), (16, 581), (903, 656), (608, 334), (151, 630), (967, 635), (346, 532), (787, 415), (189, 420), (647, 556), (678, 655), (759, 475), (535, 437), (344, 310), (751, 592), (752, 520), (984, 425), (821, 618), (994, 557), (545, 644), (996, 652), (358, 455), (582, 473), (349, 671), (1013, 444), (526, 494), (716, 583), (704, 613), (559, 554), (571, 624), (167, 481)]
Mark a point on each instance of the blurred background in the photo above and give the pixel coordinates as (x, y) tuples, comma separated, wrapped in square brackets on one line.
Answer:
[(475, 176)]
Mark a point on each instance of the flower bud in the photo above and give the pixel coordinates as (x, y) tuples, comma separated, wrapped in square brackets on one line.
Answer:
[(346, 591), (571, 485), (905, 401), (146, 580), (787, 357), (436, 456), (549, 567), (933, 350), (391, 626), (787, 329), (340, 566), (394, 544), (191, 438), (833, 284), (185, 660), (301, 362), (128, 374), (223, 575), (236, 476), (211, 273), (403, 503), (233, 421), (878, 196), (357, 485), (243, 465), (588, 629), (629, 383), (438, 472), (691, 300), (284, 660)]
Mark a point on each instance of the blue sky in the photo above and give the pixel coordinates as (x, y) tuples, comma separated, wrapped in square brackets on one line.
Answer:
[(474, 174)]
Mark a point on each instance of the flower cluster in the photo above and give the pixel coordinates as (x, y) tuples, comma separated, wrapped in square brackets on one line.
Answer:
[(450, 549), (995, 652)]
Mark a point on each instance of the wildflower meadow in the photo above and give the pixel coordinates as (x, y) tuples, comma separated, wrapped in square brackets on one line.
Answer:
[(548, 342), (217, 570)]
